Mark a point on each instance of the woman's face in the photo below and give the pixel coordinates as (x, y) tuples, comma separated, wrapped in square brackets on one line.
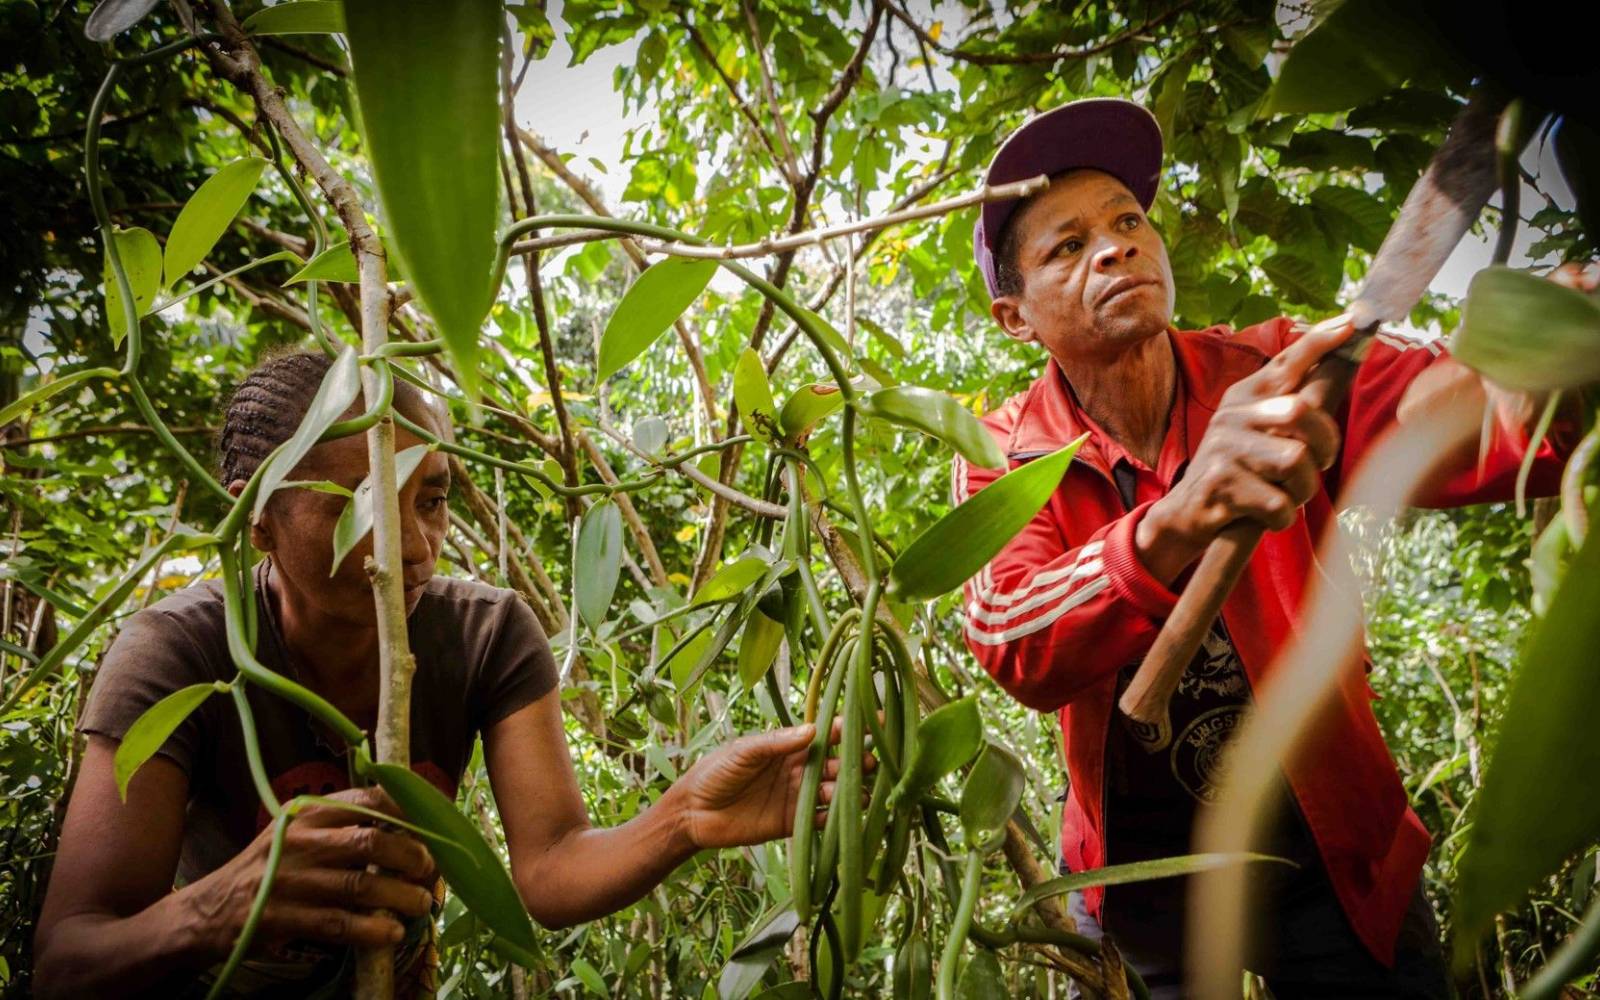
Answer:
[(297, 527)]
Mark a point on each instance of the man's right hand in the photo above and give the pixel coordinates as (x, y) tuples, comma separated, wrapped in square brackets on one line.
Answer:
[(1261, 458), (323, 891)]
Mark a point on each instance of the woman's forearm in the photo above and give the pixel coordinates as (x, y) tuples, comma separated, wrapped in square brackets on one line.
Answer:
[(104, 955), (595, 871)]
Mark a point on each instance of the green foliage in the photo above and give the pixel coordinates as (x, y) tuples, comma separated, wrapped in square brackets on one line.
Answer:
[(959, 544), (152, 728), (207, 215), (466, 861), (1263, 213), (1559, 351), (1527, 825), (657, 298), (426, 77)]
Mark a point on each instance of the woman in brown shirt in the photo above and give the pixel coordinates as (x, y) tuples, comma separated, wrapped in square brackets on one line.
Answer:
[(113, 923)]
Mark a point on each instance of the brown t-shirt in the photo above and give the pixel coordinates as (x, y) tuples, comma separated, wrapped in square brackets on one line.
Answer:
[(481, 655)]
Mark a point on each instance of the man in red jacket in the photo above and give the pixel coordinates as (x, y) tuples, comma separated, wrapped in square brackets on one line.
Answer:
[(1189, 432)]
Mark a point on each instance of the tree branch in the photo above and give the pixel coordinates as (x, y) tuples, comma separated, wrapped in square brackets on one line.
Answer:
[(1029, 58), (733, 89), (586, 193)]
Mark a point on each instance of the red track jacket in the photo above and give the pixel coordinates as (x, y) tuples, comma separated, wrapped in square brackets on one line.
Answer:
[(1067, 604)]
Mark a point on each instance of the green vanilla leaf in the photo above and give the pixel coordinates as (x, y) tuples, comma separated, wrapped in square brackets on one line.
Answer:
[(681, 666), (947, 738), (336, 263), (467, 862), (959, 544), (426, 78), (151, 729), (1360, 51), (939, 415), (141, 261), (754, 955), (208, 214), (989, 796), (758, 648), (599, 561), (753, 393), (356, 518), (1527, 332), (303, 17), (337, 391), (1526, 825), (1138, 871), (982, 979), (43, 393), (655, 299), (731, 580), (809, 406), (111, 18)]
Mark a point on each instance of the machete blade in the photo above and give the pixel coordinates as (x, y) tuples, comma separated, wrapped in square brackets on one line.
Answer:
[(1437, 213)]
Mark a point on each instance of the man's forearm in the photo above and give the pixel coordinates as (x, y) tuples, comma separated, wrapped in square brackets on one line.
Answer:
[(595, 871), (103, 955)]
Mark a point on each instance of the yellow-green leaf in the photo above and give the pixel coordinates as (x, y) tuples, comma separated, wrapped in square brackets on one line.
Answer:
[(302, 17), (938, 414), (42, 393), (989, 796), (140, 255), (946, 739), (151, 729), (1139, 871), (656, 298), (426, 79), (336, 263), (960, 543), (754, 395), (468, 863), (356, 518), (337, 391), (758, 648), (809, 406), (1527, 332), (599, 561), (731, 580), (209, 212)]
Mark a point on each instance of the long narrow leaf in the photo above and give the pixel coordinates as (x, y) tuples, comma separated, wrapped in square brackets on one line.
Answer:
[(356, 518), (599, 561), (151, 729), (427, 80), (654, 300), (209, 212), (140, 255), (302, 17), (754, 395), (1525, 825), (334, 396), (44, 392), (960, 543), (466, 860), (1138, 871), (936, 413)]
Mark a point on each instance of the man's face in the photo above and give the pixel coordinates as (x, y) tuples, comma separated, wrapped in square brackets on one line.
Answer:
[(1095, 275)]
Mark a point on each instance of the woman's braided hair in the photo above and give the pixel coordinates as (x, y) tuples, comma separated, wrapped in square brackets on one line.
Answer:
[(265, 410), (269, 404)]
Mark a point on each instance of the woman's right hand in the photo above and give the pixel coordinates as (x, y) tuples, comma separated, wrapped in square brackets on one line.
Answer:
[(322, 891)]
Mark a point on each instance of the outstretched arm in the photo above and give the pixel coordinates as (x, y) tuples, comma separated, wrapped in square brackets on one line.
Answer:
[(569, 871)]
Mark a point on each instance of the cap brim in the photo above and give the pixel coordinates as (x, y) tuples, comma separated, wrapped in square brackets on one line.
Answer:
[(1109, 134)]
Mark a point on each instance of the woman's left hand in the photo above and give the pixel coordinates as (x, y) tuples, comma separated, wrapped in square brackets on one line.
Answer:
[(746, 792)]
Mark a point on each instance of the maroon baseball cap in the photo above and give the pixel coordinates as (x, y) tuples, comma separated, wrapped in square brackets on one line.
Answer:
[(1103, 133)]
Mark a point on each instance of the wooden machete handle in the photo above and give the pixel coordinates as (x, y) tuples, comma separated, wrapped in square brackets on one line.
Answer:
[(1144, 702)]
